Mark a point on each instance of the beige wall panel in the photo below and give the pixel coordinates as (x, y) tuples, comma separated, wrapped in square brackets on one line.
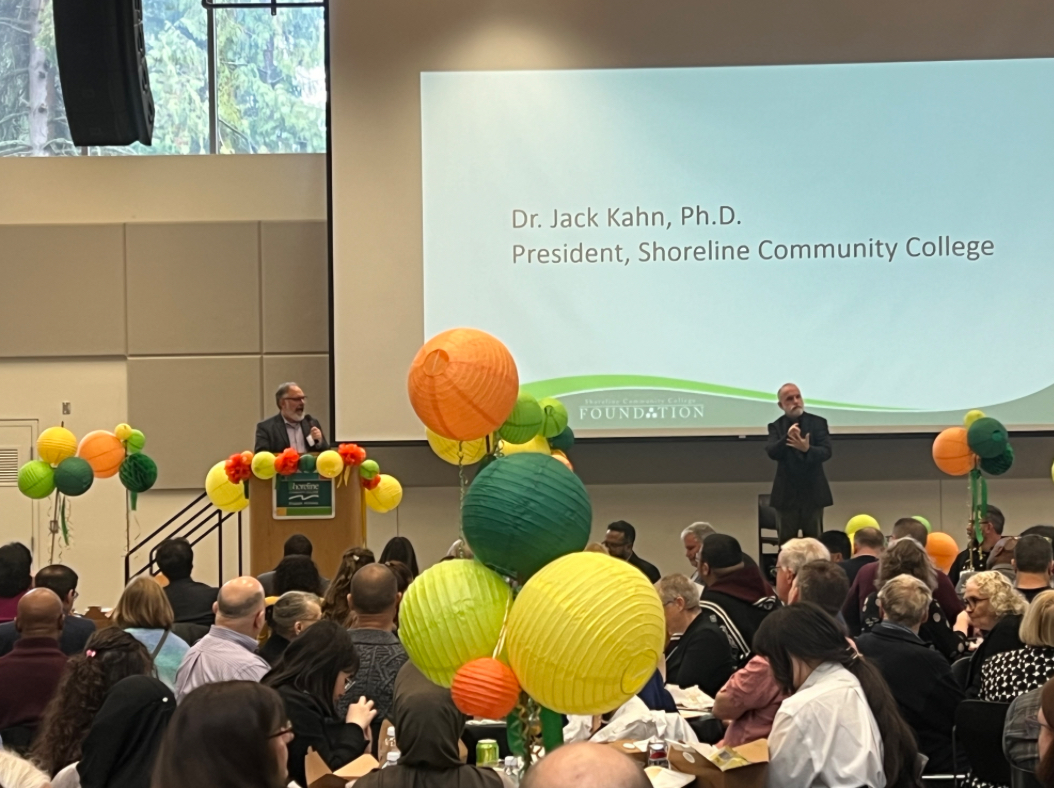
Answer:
[(63, 290), (194, 411), (310, 372), (193, 288), (294, 259)]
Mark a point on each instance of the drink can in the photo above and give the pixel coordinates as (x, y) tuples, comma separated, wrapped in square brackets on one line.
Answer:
[(487, 752), (657, 755)]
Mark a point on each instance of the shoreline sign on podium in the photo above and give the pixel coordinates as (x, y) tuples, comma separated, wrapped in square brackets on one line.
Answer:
[(303, 496)]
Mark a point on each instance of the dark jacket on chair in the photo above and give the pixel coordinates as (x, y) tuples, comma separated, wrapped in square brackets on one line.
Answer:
[(271, 434), (800, 481)]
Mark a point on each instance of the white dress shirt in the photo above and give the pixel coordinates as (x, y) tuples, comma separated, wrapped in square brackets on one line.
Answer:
[(222, 655), (296, 436), (825, 735)]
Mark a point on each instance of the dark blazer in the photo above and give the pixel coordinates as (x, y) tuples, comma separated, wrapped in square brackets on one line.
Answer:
[(646, 567), (315, 726), (922, 684), (192, 601), (702, 657), (1003, 637), (800, 481), (75, 634), (855, 564), (271, 435)]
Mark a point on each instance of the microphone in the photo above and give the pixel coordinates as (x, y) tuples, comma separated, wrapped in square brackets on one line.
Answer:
[(310, 423)]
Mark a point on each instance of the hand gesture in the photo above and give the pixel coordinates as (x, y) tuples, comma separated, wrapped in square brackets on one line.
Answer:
[(361, 713), (316, 434), (796, 440)]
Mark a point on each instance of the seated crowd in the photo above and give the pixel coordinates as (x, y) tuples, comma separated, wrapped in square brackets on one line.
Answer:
[(856, 660)]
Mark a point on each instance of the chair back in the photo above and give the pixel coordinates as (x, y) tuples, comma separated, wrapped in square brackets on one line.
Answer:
[(1021, 778), (979, 732)]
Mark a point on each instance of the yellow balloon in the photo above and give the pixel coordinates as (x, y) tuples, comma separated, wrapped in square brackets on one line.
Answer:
[(385, 496), (972, 416), (329, 464), (536, 445), (471, 451), (225, 496), (263, 465), (55, 444), (585, 634), (860, 521), (123, 431)]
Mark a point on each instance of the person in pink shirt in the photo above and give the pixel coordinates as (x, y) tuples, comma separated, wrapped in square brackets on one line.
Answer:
[(15, 579)]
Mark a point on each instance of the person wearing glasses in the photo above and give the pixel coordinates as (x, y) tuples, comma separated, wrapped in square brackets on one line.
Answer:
[(292, 426), (994, 610), (75, 630)]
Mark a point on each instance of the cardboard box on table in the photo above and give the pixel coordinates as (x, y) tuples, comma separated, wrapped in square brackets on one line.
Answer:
[(321, 776), (708, 775)]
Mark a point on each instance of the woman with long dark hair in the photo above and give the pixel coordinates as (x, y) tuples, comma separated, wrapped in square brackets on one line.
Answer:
[(335, 603), (840, 725), (311, 675), (399, 548)]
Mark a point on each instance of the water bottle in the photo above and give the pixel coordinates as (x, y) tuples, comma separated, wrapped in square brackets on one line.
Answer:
[(389, 740), (512, 769), (392, 759)]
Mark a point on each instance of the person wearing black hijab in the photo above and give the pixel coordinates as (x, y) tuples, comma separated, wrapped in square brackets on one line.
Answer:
[(123, 741)]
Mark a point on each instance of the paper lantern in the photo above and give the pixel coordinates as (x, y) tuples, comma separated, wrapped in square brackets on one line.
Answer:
[(525, 421), (103, 452), (225, 496), (860, 521), (997, 466), (919, 518), (138, 474), (536, 445), (263, 465), (452, 613), (987, 438), (485, 688), (122, 431), (555, 417), (387, 495), (36, 479), (942, 549), (329, 464), (463, 384), (585, 634), (564, 441), (73, 476), (972, 416), (459, 452), (55, 444), (306, 463), (136, 442), (952, 453), (521, 512)]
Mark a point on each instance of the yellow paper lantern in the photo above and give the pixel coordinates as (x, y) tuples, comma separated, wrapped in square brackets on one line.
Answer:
[(972, 416), (585, 634), (55, 444), (225, 496), (536, 445), (263, 465), (385, 496), (103, 452), (122, 431), (329, 464), (448, 450), (452, 614)]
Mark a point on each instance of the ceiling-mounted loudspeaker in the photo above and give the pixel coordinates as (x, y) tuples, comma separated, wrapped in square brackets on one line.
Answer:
[(102, 67)]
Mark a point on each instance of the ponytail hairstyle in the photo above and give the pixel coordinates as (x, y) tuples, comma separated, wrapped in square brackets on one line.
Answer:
[(804, 631), (110, 655), (335, 604)]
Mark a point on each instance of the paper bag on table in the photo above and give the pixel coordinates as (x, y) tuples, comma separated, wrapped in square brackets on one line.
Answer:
[(745, 766), (321, 776)]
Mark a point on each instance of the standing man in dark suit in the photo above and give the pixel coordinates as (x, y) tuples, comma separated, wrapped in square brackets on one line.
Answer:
[(800, 443), (75, 630), (291, 427), (191, 601), (619, 542)]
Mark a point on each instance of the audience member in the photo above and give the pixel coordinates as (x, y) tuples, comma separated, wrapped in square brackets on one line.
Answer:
[(374, 600), (75, 630), (288, 618), (16, 772), (586, 765), (692, 537), (868, 544), (822, 583), (228, 652), (122, 744), (919, 678), (399, 548), (1020, 737), (1045, 723), (111, 655), (335, 602), (838, 545), (592, 547), (994, 611), (297, 544), (793, 555), (231, 734), (403, 576), (1001, 558), (144, 612), (310, 676), (460, 549), (736, 593), (840, 725), (701, 656), (16, 564), (1046, 531), (297, 573), (1033, 565), (192, 602), (619, 541), (976, 554), (906, 557), (30, 674)]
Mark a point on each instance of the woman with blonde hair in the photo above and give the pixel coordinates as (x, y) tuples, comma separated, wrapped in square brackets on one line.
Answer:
[(994, 610), (144, 612), (335, 604)]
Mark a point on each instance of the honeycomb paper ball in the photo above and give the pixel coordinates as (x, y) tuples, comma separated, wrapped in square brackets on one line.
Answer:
[(485, 688), (525, 421), (328, 464), (452, 613), (942, 549), (585, 634), (987, 438), (103, 452), (73, 476), (263, 465), (459, 452), (555, 417), (138, 473), (36, 479), (521, 512), (385, 496), (463, 384), (997, 466), (56, 444), (536, 445), (952, 453), (225, 496)]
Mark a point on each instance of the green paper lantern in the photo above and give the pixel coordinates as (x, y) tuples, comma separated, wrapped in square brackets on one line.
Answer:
[(369, 469), (138, 474), (73, 476), (306, 464), (136, 441), (564, 441), (987, 438), (997, 466), (555, 417), (36, 479), (525, 421), (523, 511)]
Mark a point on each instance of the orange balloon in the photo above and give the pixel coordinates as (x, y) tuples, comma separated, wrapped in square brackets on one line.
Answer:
[(559, 455), (952, 453), (942, 549), (103, 452), (485, 688), (463, 384)]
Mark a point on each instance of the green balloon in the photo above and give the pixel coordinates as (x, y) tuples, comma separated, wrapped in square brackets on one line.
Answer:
[(564, 441), (525, 421), (306, 464), (136, 441), (987, 438), (369, 469), (73, 476), (997, 466), (920, 519), (36, 479), (555, 417), (138, 473)]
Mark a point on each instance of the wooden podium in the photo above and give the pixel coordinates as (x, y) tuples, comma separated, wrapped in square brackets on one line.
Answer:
[(330, 537)]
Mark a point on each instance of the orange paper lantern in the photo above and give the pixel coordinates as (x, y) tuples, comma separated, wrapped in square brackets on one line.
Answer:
[(103, 452), (485, 688), (942, 549), (463, 384), (952, 453)]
